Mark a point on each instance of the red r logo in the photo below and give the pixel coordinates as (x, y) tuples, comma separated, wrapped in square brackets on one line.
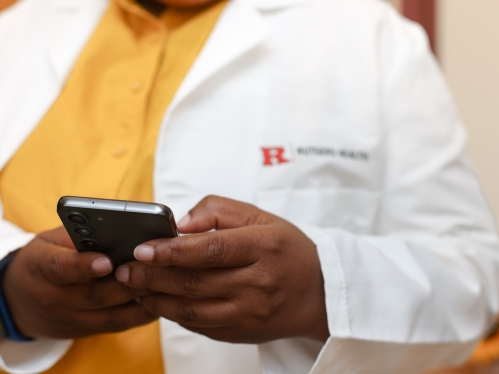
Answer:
[(273, 155)]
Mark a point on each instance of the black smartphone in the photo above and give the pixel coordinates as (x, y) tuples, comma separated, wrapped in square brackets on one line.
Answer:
[(114, 227)]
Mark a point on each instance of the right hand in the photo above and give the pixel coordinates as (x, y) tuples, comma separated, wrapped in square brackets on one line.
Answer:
[(53, 291)]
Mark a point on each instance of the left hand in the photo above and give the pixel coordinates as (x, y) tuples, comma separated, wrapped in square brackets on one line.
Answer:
[(256, 278)]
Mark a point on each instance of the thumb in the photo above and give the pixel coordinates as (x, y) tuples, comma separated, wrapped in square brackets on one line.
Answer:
[(219, 213)]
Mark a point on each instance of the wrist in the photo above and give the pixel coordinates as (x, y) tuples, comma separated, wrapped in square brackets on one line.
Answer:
[(319, 329), (8, 328)]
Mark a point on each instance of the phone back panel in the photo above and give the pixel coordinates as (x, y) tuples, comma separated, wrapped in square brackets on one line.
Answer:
[(117, 232)]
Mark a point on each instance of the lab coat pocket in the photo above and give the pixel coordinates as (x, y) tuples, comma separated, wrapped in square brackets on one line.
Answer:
[(350, 209)]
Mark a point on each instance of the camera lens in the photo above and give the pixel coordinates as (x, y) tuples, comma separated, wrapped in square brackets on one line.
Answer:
[(90, 244), (83, 231), (77, 217)]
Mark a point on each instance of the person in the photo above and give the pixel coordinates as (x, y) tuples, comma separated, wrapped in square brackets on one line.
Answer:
[(332, 221)]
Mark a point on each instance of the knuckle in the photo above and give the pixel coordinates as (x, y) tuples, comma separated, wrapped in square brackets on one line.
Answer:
[(269, 298), (54, 268), (186, 312), (152, 305), (148, 276), (79, 269), (274, 240), (259, 316), (265, 283), (188, 280), (263, 315), (266, 286), (177, 252), (216, 250), (211, 200), (132, 293), (267, 247), (93, 294), (47, 303), (114, 321), (30, 264)]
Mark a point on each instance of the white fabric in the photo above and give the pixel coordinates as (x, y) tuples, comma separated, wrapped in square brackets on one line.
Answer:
[(376, 173), (36, 356)]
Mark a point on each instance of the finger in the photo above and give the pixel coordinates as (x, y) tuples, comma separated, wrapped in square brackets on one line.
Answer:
[(58, 236), (100, 294), (63, 266), (198, 313), (227, 248), (228, 334), (214, 212), (192, 282), (107, 320), (123, 317)]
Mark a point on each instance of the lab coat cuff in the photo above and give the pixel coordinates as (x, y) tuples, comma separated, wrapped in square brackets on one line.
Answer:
[(367, 357), (13, 242), (334, 281), (31, 357), (34, 356), (309, 355), (289, 356)]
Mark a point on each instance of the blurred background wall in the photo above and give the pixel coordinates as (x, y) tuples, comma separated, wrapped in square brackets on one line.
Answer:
[(466, 42)]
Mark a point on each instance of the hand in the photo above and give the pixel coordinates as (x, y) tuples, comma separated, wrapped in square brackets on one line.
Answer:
[(53, 291), (256, 278)]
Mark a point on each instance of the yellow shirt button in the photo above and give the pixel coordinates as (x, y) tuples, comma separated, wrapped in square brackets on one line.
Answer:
[(119, 151), (137, 86)]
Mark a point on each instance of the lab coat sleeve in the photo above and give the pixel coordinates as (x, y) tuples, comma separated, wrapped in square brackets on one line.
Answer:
[(421, 289), (29, 357)]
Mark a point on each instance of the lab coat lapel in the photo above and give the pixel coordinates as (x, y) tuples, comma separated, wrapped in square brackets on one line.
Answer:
[(80, 19), (42, 40), (239, 29), (266, 5)]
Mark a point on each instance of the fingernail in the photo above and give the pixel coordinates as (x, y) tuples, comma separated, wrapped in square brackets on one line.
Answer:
[(123, 273), (144, 252), (101, 265), (184, 221)]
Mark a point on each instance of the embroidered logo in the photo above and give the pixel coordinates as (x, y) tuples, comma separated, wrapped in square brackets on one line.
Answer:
[(273, 156), (281, 155)]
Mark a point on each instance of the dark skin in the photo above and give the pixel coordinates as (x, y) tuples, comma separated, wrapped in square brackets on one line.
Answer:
[(255, 278), (156, 7), (54, 291)]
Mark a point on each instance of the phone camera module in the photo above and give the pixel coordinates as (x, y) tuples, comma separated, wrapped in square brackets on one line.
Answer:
[(90, 244), (83, 231), (77, 217)]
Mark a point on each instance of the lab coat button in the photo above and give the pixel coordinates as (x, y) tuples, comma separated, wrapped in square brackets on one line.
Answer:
[(137, 86), (119, 151)]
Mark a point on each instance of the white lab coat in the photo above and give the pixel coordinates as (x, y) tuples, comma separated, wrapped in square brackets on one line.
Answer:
[(375, 175)]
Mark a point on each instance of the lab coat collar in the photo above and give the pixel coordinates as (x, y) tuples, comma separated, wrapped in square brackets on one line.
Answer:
[(258, 4), (239, 29), (63, 51), (39, 42), (276, 4)]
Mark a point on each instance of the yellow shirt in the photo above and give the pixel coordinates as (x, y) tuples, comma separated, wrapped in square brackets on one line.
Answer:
[(4, 4), (98, 139)]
